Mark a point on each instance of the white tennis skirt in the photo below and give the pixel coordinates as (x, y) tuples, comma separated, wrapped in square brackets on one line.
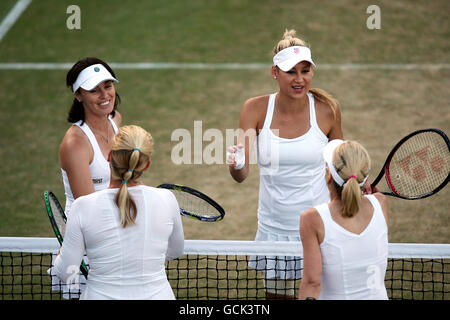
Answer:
[(281, 267)]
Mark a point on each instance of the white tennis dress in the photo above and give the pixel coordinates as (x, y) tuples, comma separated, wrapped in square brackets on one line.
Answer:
[(125, 263), (354, 265), (292, 179), (99, 167)]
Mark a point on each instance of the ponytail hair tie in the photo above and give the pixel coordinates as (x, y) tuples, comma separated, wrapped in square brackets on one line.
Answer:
[(124, 181), (131, 170), (360, 184), (136, 148)]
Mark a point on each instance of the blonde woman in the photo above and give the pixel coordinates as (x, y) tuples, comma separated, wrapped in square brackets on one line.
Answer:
[(128, 230), (345, 241), (291, 127)]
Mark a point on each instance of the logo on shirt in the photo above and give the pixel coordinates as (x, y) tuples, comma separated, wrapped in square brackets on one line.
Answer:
[(97, 181)]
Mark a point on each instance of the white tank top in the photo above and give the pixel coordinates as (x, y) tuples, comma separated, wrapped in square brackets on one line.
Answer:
[(292, 174), (99, 167), (354, 265)]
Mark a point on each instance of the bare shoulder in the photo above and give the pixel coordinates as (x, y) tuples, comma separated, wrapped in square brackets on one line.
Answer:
[(257, 103), (74, 136), (254, 110), (311, 225), (310, 218), (75, 142), (326, 111), (329, 119), (383, 200)]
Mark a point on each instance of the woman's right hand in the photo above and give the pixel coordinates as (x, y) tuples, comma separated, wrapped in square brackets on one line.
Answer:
[(235, 157)]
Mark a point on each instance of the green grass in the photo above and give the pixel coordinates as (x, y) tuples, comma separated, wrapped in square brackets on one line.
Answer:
[(233, 31), (378, 107)]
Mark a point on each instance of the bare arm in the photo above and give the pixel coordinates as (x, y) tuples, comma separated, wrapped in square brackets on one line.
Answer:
[(384, 205), (75, 155), (248, 124), (336, 126), (310, 285)]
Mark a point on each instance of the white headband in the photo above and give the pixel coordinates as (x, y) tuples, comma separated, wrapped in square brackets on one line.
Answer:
[(91, 76), (328, 157), (287, 58)]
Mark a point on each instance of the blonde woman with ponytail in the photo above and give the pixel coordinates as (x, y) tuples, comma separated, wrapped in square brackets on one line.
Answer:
[(345, 241), (128, 230), (290, 127)]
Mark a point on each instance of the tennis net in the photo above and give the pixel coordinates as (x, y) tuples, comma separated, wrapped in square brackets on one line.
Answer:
[(211, 270)]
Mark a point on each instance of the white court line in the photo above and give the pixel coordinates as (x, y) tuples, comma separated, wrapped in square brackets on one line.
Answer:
[(12, 17), (225, 66), (21, 5)]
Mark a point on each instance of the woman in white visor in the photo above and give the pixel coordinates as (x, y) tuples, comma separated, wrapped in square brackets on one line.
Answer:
[(291, 127), (345, 241), (84, 150), (85, 147)]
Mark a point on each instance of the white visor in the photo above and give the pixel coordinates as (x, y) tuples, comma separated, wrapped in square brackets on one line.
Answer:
[(328, 157), (91, 76), (287, 58)]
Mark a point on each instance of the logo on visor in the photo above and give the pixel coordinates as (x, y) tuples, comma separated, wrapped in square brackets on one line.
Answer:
[(296, 50), (96, 69)]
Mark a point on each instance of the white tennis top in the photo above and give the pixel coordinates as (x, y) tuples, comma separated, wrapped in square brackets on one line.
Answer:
[(292, 174), (99, 167), (125, 263), (354, 265)]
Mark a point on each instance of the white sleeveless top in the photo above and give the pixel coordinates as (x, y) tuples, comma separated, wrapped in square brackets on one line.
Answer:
[(354, 265), (99, 167), (292, 174)]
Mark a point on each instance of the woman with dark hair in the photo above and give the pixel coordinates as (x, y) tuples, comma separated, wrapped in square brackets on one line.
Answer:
[(85, 147), (86, 144)]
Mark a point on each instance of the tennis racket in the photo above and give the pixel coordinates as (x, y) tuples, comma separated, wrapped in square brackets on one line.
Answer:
[(58, 220), (418, 166), (195, 204)]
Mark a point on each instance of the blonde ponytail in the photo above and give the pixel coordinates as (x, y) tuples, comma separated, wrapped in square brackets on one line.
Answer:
[(325, 97), (130, 155), (126, 205), (352, 163), (351, 198)]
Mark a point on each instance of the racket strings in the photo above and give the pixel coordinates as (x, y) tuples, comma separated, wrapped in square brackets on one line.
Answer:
[(56, 210), (194, 204), (420, 165)]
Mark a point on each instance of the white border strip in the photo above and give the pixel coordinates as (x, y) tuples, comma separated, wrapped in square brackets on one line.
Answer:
[(13, 16), (223, 66), (222, 247)]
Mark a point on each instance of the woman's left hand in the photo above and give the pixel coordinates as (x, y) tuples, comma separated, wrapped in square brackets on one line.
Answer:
[(368, 189)]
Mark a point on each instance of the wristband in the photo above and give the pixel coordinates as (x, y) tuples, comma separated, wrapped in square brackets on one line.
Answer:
[(239, 157)]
